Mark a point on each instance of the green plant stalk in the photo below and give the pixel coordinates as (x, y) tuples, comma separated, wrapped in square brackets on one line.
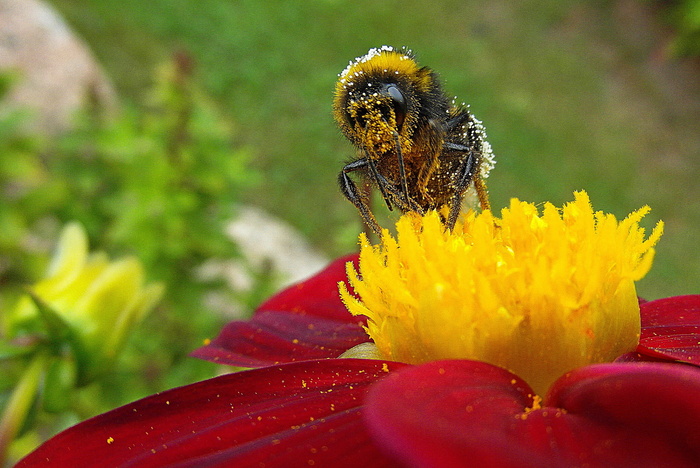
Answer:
[(20, 402)]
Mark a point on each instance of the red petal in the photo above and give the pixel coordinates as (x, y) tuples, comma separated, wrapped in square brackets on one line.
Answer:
[(287, 415), (449, 412), (671, 329), (305, 321), (274, 337), (638, 357), (317, 295)]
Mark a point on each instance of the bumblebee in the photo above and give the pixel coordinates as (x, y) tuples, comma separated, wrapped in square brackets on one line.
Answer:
[(421, 150)]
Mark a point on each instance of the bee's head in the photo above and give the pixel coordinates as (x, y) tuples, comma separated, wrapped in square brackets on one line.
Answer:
[(382, 95), (376, 114)]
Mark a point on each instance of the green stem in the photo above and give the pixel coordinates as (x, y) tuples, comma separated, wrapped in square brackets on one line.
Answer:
[(21, 400)]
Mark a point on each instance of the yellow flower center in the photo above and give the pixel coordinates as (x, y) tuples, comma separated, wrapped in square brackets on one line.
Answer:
[(537, 294)]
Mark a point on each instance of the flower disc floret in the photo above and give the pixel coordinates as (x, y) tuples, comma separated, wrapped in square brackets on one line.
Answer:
[(536, 293)]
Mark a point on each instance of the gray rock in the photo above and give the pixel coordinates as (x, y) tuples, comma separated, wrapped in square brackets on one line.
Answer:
[(265, 243), (54, 70), (263, 238)]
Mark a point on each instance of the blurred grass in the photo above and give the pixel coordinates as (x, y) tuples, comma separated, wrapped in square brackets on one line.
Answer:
[(573, 96)]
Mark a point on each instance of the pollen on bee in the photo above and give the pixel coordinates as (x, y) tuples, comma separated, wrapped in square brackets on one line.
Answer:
[(388, 113)]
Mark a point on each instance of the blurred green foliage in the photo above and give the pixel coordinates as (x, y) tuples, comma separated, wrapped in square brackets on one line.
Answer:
[(159, 182), (156, 181), (685, 17), (572, 95)]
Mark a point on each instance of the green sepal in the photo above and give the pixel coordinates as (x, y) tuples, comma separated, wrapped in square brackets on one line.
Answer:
[(58, 331), (61, 335)]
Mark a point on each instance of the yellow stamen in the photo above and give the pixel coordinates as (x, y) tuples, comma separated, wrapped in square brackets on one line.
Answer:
[(537, 294)]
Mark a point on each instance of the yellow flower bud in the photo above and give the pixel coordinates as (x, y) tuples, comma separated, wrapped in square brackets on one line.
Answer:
[(100, 301)]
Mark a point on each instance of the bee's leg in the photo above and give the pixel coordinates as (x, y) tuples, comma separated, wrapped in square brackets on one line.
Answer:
[(482, 192), (402, 197), (382, 183), (396, 197), (465, 175), (349, 189), (402, 169), (391, 195), (468, 172)]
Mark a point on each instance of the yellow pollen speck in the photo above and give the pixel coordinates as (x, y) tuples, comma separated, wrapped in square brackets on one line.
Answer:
[(536, 404), (110, 440), (537, 292), (206, 341)]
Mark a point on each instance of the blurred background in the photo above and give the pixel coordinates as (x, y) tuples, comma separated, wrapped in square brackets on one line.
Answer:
[(199, 113)]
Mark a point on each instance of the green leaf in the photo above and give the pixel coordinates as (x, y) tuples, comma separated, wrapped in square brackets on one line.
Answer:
[(61, 335), (60, 380), (12, 351), (58, 329)]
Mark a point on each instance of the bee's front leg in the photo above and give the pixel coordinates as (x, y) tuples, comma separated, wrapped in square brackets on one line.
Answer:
[(350, 191)]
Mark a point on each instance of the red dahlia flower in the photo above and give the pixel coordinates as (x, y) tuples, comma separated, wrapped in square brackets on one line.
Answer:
[(305, 406)]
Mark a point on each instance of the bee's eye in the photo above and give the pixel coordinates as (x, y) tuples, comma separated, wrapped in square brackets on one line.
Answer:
[(399, 102)]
